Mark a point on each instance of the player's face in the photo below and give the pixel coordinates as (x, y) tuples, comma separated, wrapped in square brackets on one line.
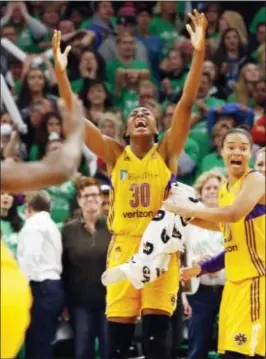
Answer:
[(260, 163), (6, 200), (141, 123), (209, 192), (236, 153), (90, 199)]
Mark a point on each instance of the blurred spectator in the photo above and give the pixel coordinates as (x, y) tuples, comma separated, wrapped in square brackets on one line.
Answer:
[(126, 23), (203, 244), (85, 242), (100, 22), (259, 97), (212, 11), (259, 17), (110, 125), (203, 102), (126, 49), (105, 189), (260, 161), (96, 99), (11, 222), (233, 19), (90, 67), (39, 256), (152, 42), (34, 88), (173, 72), (167, 25), (51, 124), (231, 113), (249, 75), (229, 57), (259, 131), (29, 30)]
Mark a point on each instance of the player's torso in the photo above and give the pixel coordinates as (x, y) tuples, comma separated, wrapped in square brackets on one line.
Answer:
[(244, 240), (139, 187)]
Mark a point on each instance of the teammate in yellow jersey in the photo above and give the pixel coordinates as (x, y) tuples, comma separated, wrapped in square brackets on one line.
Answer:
[(241, 217), (140, 174), (18, 177)]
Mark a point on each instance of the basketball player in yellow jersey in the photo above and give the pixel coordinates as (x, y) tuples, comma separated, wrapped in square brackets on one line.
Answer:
[(241, 217), (140, 174), (18, 177)]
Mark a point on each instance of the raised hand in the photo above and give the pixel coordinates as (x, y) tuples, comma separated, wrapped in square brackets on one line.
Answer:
[(197, 35), (60, 58)]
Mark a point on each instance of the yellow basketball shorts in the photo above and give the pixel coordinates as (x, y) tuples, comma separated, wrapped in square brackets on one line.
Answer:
[(124, 300), (242, 317), (15, 305)]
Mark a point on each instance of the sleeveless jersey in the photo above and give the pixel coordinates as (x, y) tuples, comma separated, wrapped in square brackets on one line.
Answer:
[(138, 189), (245, 239)]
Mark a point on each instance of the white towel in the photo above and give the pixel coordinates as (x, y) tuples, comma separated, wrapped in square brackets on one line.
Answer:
[(164, 235)]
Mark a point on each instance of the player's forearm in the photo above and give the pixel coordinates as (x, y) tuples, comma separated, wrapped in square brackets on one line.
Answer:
[(222, 215), (193, 78), (214, 264), (64, 86)]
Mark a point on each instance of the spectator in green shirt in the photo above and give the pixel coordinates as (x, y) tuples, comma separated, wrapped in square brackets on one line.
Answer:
[(173, 72), (126, 46), (166, 25)]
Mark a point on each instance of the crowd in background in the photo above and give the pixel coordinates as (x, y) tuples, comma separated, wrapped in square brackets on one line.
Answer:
[(123, 55)]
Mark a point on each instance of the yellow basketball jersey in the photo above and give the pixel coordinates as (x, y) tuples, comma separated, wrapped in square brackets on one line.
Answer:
[(138, 189), (245, 239)]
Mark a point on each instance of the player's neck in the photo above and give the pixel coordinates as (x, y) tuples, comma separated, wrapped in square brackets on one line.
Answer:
[(141, 148), (232, 179)]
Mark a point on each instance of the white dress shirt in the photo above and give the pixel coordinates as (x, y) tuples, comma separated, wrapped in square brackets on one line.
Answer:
[(203, 242), (39, 250)]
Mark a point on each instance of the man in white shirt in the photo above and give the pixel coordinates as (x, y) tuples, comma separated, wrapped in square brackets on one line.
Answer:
[(40, 258)]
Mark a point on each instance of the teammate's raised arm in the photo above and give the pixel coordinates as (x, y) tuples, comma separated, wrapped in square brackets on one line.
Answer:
[(175, 138), (57, 166), (104, 147)]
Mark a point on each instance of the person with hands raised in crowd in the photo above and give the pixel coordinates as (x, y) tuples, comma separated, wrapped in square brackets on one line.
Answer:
[(140, 173)]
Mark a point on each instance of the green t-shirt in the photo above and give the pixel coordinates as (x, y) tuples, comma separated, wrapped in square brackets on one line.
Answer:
[(232, 99), (211, 161), (178, 83), (26, 42), (128, 100), (62, 197), (166, 31), (86, 23), (114, 65), (258, 18)]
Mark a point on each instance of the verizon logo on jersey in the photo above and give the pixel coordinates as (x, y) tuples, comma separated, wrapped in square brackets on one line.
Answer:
[(138, 214)]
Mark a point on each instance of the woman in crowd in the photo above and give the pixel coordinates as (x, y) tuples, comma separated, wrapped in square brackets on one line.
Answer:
[(201, 244), (85, 243)]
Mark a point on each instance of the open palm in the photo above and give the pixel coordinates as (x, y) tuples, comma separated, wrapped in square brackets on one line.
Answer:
[(60, 58), (197, 35)]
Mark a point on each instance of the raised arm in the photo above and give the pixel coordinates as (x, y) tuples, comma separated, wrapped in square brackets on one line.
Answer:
[(252, 193), (55, 168), (175, 138), (104, 147)]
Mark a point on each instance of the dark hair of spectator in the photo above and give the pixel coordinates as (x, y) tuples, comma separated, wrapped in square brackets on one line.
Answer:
[(13, 217), (87, 85), (100, 61), (241, 131), (84, 182), (221, 52), (39, 201), (24, 98), (42, 131)]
